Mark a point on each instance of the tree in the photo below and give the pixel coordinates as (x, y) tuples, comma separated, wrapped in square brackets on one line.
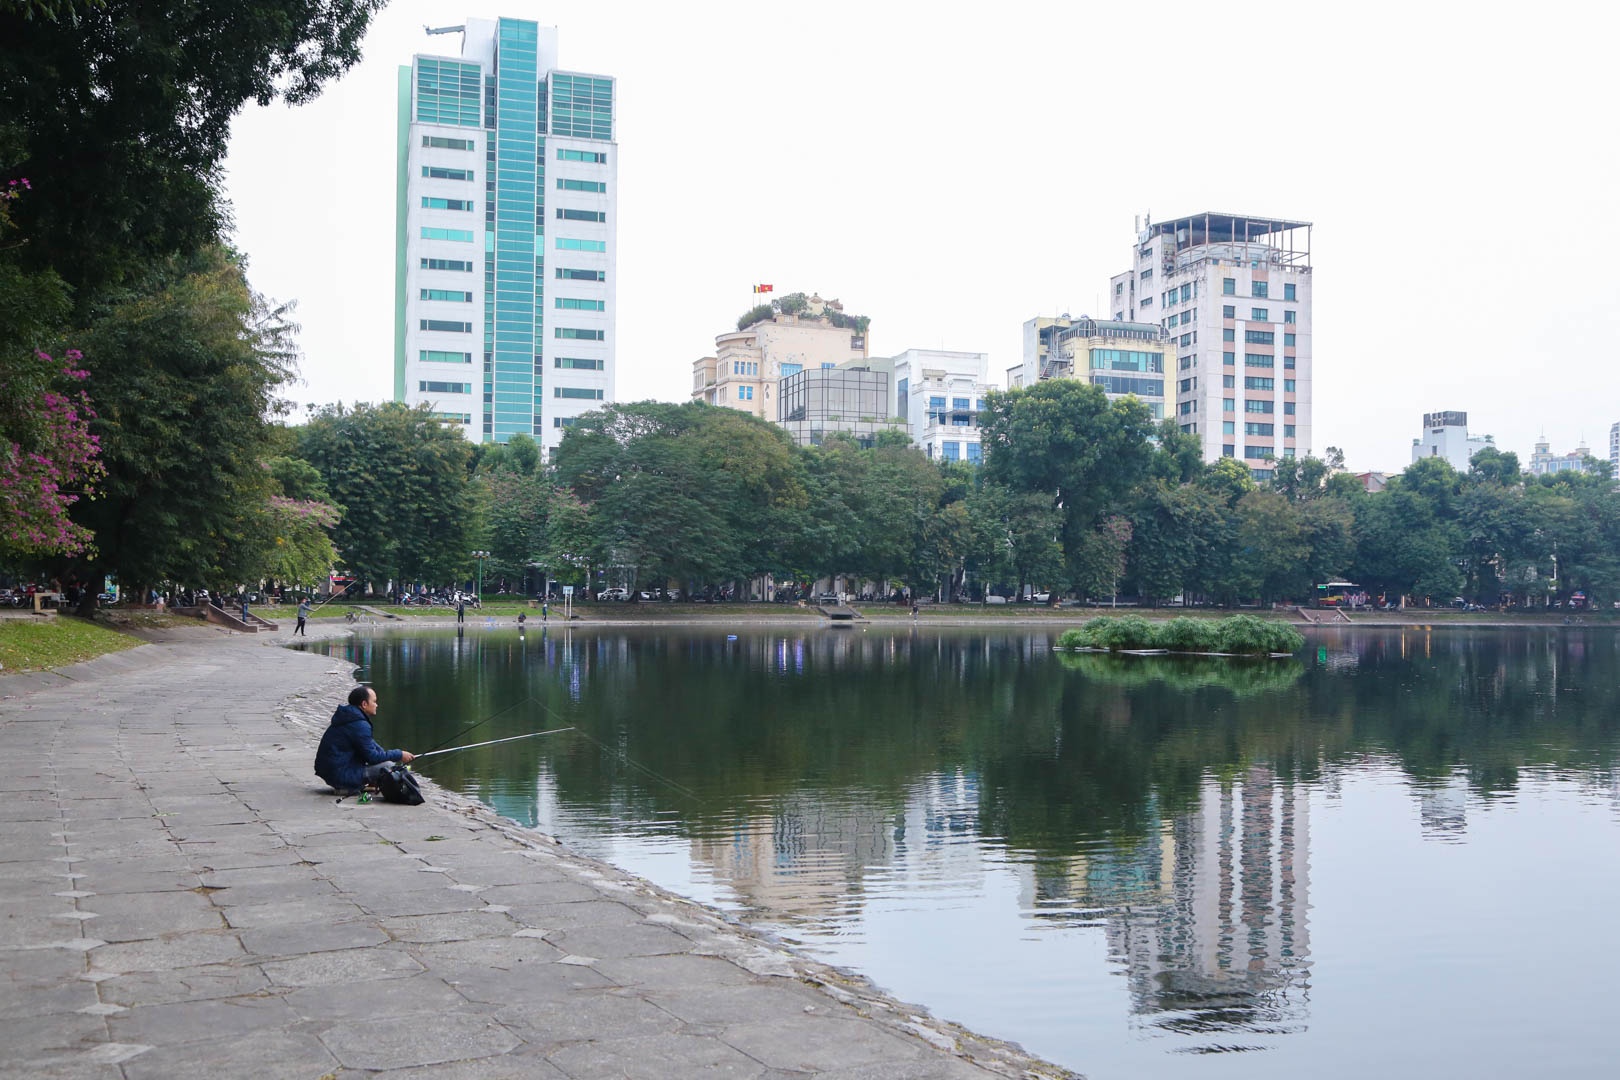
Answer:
[(120, 116), (1066, 440), (401, 478), (185, 366)]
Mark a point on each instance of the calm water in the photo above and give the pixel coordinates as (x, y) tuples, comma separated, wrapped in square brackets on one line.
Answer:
[(1396, 853)]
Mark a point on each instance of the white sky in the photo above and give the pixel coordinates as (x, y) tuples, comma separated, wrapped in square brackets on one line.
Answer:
[(952, 170)]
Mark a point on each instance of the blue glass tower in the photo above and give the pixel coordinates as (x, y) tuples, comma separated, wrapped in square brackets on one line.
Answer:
[(471, 333)]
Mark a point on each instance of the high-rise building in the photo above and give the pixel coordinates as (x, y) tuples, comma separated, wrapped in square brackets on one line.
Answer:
[(1234, 293), (1445, 435), (484, 138), (1614, 451)]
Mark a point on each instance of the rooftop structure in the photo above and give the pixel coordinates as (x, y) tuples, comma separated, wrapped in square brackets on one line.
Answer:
[(1445, 435)]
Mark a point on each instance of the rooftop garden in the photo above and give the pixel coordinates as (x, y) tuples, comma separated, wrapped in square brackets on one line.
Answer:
[(805, 307)]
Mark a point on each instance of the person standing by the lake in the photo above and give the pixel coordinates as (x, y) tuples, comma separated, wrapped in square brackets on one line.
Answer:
[(303, 615), (461, 611)]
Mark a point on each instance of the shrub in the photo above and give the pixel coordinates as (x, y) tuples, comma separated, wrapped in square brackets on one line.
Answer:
[(1243, 634), (1190, 635)]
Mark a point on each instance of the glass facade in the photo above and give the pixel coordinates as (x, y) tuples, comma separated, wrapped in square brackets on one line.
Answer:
[(448, 92), (581, 106), (512, 389)]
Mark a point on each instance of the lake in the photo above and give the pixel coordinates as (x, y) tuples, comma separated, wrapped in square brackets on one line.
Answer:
[(1394, 854)]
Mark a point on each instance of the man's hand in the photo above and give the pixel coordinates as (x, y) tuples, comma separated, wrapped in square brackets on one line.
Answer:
[(406, 757)]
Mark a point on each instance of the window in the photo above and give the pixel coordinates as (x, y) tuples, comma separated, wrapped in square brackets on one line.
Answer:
[(439, 356), (1259, 290), (566, 244), (1229, 334), (427, 387), (463, 265), (1228, 286), (1228, 405), (1187, 339), (435, 172), (1288, 362), (1188, 363), (1259, 360), (1288, 292), (1147, 301), (1228, 381), (431, 203), (1288, 431), (1288, 317), (597, 186), (1288, 451), (1186, 317), (745, 367), (1124, 384), (1119, 288), (588, 156), (1228, 311), (1147, 274), (1288, 408), (1228, 450), (1228, 427), (563, 421), (1259, 429), (565, 273), (443, 324), (1188, 385), (745, 393), (950, 451), (570, 333), (453, 418), (580, 215), (1186, 293), (1188, 408), (578, 393), (975, 453), (569, 303), (461, 236), (578, 363), (1259, 314), (1259, 337), (791, 369), (1228, 358), (1189, 429), (1127, 360), (961, 404), (437, 143), (1254, 453), (1288, 386), (457, 295), (1257, 382), (1288, 339), (1259, 407)]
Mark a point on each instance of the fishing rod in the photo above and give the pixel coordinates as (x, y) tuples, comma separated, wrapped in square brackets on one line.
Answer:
[(479, 724), (491, 742)]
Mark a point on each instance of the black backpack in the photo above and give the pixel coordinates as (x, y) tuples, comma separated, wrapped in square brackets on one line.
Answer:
[(398, 785)]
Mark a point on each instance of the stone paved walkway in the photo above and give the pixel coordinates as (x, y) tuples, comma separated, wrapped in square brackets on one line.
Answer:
[(180, 897)]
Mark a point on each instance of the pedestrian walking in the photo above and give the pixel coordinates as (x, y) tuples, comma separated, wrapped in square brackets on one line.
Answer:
[(244, 607), (303, 614)]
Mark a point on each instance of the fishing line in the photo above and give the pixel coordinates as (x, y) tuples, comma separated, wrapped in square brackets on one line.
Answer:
[(478, 725), (626, 758)]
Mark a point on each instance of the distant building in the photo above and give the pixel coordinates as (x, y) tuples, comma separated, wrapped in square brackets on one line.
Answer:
[(1543, 462), (505, 235), (749, 364), (1445, 435), (1373, 482), (1121, 357), (1614, 451), (940, 396), (1234, 292), (816, 403)]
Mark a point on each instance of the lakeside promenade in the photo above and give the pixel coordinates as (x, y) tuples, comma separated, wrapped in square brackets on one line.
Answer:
[(180, 896)]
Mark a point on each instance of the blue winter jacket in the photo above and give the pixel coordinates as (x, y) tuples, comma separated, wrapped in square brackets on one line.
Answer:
[(347, 748)]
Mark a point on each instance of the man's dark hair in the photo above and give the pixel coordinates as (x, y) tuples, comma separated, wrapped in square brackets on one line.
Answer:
[(359, 695)]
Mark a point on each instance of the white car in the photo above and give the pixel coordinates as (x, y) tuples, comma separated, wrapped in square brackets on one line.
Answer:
[(992, 598), (613, 594)]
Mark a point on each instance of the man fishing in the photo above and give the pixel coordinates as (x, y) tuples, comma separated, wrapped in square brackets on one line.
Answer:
[(348, 757)]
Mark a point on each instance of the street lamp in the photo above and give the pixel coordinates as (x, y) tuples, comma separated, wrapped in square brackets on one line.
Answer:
[(480, 556)]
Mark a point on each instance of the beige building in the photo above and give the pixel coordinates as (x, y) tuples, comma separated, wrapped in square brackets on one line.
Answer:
[(1118, 356), (749, 364)]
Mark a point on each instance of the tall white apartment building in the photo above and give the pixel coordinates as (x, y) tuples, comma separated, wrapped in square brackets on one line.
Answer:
[(1234, 293), (506, 233)]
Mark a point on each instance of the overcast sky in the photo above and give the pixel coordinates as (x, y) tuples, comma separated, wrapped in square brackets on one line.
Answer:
[(952, 170)]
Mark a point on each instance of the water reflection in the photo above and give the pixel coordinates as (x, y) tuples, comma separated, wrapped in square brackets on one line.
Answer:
[(871, 795)]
